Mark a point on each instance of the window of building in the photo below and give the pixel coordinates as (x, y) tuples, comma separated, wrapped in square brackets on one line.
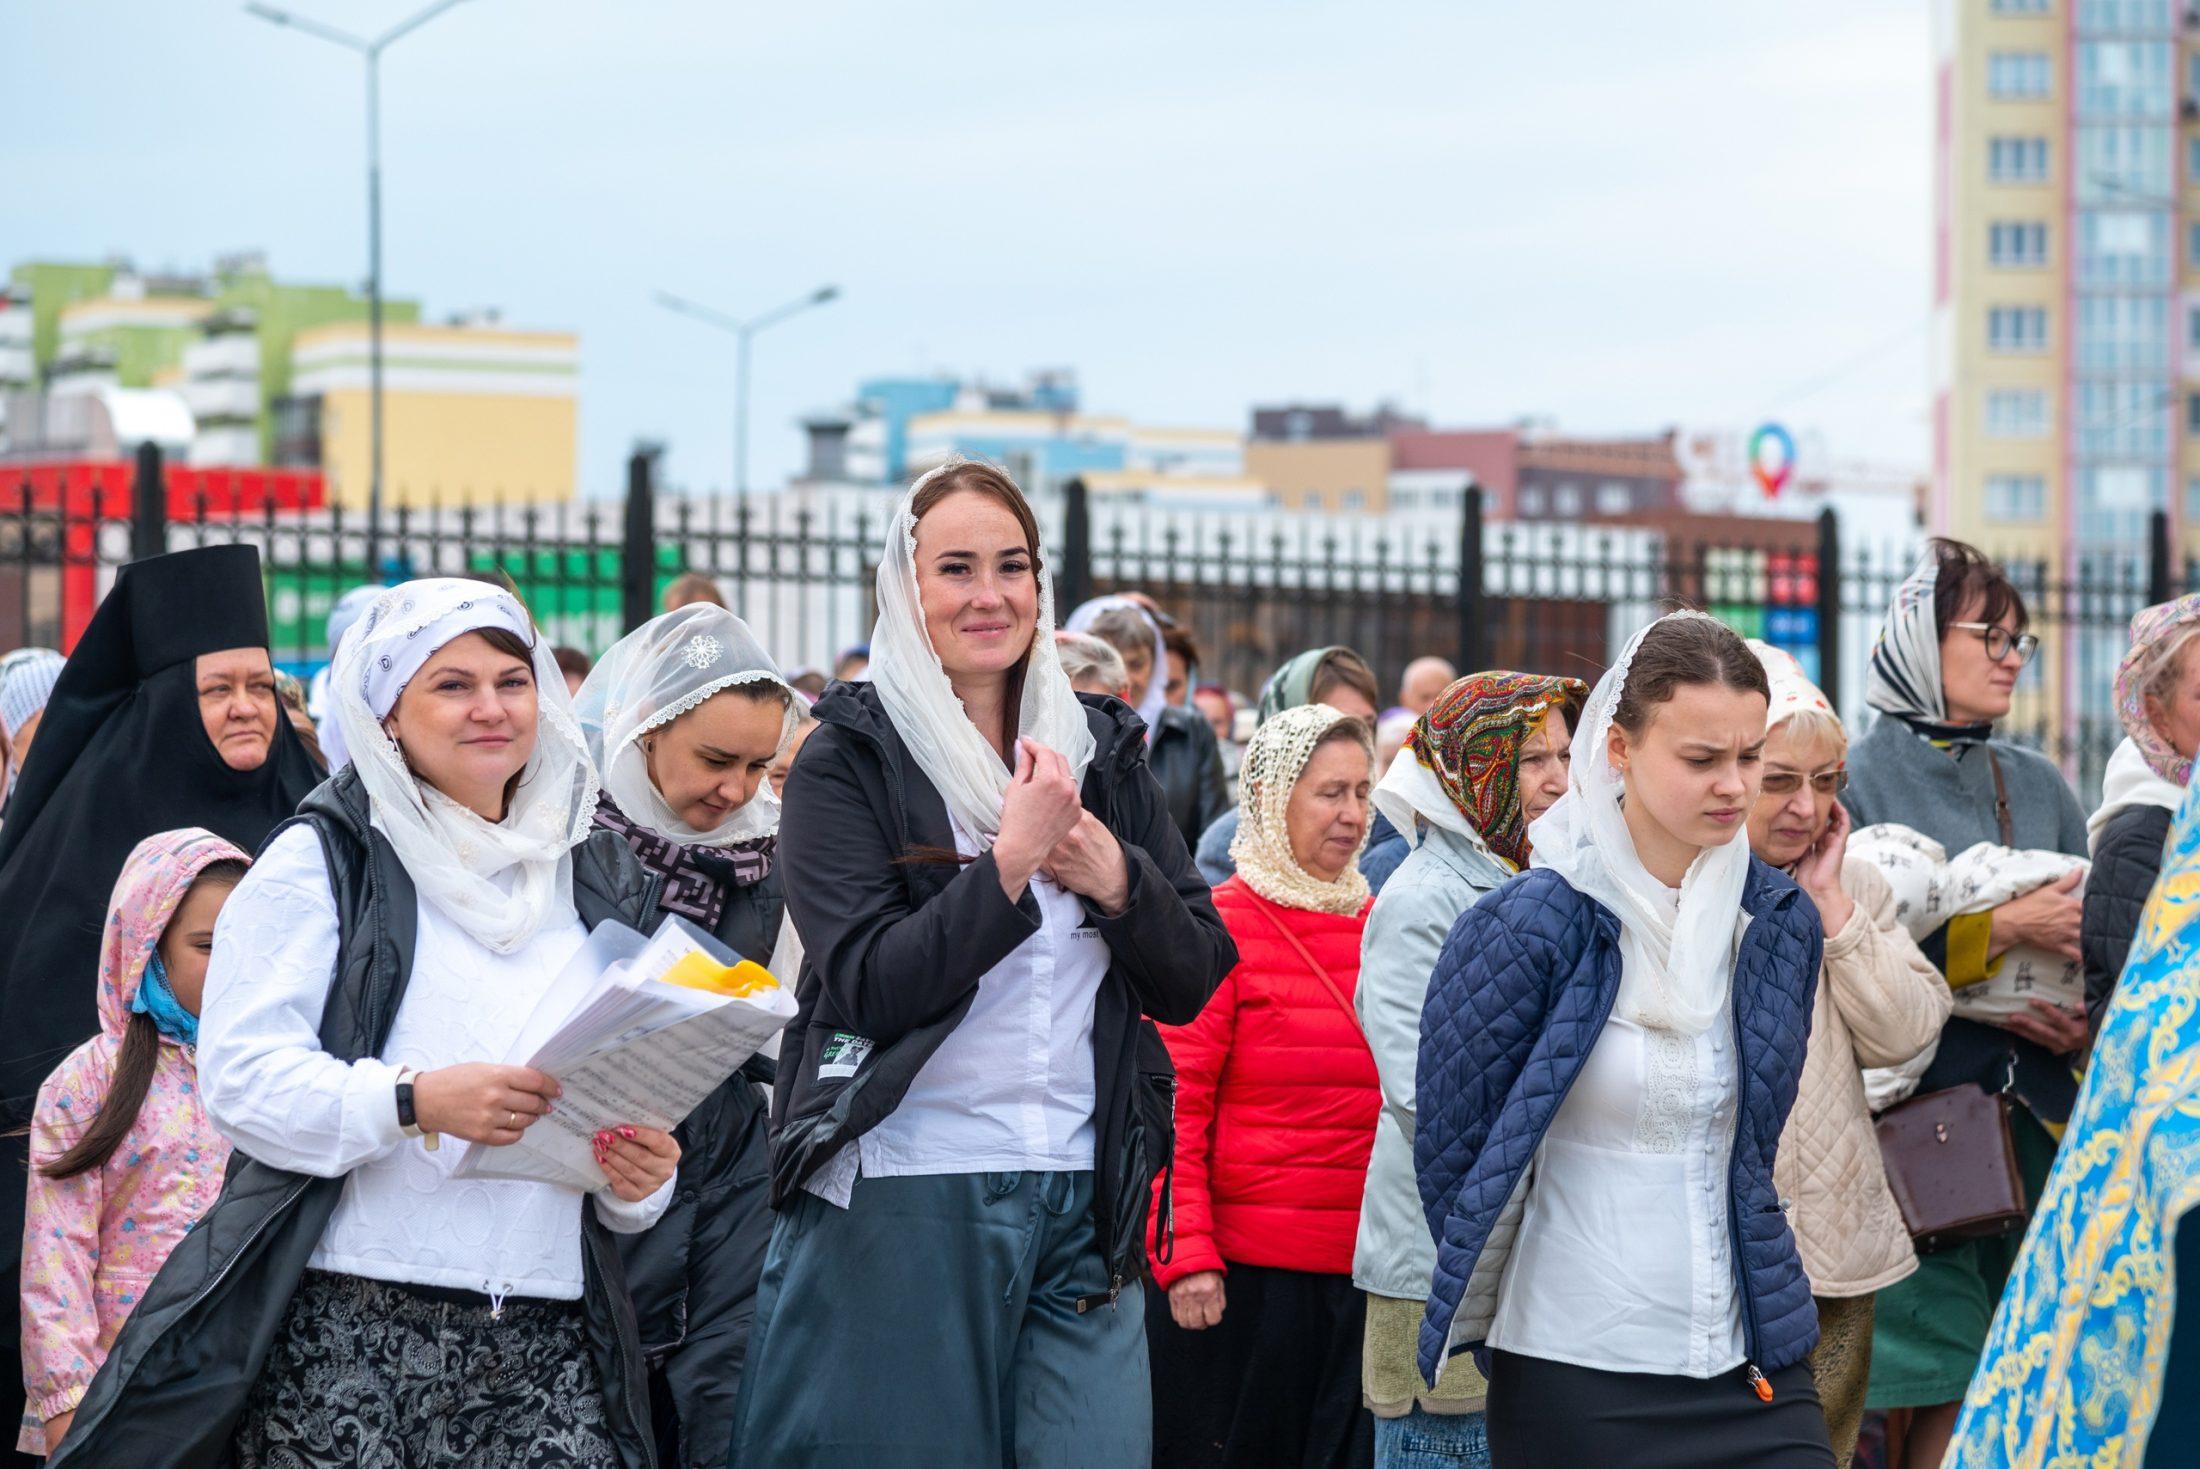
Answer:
[(1531, 502), (2098, 17), (2192, 413), (2192, 501), (1615, 497), (2017, 76), (2012, 242), (2192, 328), (2016, 498), (2125, 78), (2123, 166), (2016, 413), (2192, 159), (1354, 500), (2016, 329), (2019, 7), (2119, 249), (2121, 336), (2016, 160), (2123, 420), (1566, 500)]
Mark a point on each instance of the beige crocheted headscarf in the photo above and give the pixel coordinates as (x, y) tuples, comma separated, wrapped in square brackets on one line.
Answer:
[(1262, 847)]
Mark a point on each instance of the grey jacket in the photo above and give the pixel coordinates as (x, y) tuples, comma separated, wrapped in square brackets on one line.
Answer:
[(1406, 929)]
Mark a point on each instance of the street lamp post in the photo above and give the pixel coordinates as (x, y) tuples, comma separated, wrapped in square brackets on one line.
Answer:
[(743, 331), (371, 50)]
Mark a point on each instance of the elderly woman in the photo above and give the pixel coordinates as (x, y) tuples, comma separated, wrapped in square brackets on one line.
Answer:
[(1942, 671), (1092, 666), (1488, 757), (1180, 747), (684, 717), (2158, 700), (1254, 1327), (1879, 1003)]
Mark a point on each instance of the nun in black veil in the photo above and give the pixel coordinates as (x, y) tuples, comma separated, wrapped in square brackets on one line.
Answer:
[(164, 717)]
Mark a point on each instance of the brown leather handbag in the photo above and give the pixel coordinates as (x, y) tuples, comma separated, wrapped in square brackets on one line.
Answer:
[(1952, 1166)]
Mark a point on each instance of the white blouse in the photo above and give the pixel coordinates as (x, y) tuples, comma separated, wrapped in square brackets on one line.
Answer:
[(1624, 1260), (274, 1093), (1011, 1088)]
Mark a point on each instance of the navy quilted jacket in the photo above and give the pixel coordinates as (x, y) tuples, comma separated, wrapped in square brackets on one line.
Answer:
[(1520, 993)]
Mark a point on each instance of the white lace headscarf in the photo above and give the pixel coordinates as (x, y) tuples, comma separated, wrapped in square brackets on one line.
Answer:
[(1584, 839), (656, 673), (1274, 761), (960, 762), (496, 880)]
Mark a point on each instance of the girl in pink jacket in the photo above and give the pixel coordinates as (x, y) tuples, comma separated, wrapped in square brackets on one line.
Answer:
[(123, 1159)]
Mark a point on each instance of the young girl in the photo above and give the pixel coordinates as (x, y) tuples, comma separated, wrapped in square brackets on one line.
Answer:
[(123, 1160)]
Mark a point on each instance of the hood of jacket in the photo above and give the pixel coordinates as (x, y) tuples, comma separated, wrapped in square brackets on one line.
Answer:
[(153, 883), (2129, 781)]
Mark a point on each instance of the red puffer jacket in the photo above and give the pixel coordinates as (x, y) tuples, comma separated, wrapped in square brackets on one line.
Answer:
[(1276, 1100)]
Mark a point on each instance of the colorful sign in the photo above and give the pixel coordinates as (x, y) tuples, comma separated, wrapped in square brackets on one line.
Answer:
[(1772, 458)]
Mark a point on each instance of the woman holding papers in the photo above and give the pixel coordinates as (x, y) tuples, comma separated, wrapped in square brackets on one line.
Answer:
[(685, 716), (991, 898), (348, 1300)]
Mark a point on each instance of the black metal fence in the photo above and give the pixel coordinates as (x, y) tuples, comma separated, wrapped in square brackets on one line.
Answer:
[(1253, 590)]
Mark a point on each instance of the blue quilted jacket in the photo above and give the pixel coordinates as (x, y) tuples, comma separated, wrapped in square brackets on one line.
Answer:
[(1520, 994)]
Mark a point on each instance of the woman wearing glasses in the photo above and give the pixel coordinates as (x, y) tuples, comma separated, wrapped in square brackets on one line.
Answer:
[(1879, 1002), (1942, 672)]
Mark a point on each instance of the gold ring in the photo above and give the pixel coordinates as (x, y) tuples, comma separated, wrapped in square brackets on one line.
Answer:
[(515, 1119)]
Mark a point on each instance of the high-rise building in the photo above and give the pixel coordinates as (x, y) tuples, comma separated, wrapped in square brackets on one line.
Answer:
[(2059, 255), (2066, 287)]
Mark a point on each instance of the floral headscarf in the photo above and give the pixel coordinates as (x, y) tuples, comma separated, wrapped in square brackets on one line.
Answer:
[(1468, 747), (1274, 761), (2157, 635)]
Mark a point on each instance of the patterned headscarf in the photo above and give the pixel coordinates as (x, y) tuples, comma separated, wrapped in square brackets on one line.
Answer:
[(1470, 742), (1274, 761), (1903, 678), (2158, 634), (1792, 691)]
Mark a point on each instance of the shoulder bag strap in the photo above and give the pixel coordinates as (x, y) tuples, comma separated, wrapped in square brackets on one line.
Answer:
[(1320, 973), (2001, 799)]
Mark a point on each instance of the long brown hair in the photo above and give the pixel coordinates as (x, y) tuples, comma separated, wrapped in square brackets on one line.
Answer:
[(134, 1065)]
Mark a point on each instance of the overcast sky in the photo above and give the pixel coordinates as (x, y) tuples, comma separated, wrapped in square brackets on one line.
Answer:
[(1620, 216)]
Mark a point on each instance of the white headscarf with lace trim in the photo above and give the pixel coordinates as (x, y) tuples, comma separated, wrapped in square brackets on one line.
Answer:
[(496, 880), (656, 673), (959, 761), (1274, 761), (1584, 839)]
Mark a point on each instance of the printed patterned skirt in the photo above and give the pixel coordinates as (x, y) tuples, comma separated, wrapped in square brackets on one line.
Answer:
[(368, 1375)]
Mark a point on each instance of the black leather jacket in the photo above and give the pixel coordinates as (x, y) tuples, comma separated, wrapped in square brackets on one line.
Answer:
[(173, 1388), (894, 950), (1187, 763)]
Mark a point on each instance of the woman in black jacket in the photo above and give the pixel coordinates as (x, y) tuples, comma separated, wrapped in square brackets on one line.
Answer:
[(990, 896), (684, 717), (2158, 701)]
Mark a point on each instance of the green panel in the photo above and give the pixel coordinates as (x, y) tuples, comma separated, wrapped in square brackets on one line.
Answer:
[(298, 601), (1746, 618), (54, 285)]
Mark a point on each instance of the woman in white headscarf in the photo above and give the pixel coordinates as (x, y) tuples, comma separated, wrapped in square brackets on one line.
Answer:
[(970, 1110), (1609, 1049), (365, 983), (1181, 748), (685, 716)]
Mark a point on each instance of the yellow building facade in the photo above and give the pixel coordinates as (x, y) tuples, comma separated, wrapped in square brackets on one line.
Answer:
[(472, 414)]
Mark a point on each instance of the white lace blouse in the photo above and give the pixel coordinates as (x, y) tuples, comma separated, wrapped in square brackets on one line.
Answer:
[(280, 1098), (1625, 1261)]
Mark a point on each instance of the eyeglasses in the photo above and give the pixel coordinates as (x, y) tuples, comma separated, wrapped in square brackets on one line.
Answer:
[(2000, 641), (1787, 782)]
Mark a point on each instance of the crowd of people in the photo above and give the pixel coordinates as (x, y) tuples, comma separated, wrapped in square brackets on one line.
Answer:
[(1481, 1070)]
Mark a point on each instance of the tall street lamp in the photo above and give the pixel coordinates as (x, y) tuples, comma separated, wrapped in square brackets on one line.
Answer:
[(742, 332), (371, 49)]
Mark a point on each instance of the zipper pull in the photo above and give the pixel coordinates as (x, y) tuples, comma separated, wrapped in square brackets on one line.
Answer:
[(1758, 1385)]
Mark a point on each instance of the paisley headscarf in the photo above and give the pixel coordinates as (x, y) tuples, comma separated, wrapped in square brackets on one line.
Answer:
[(1274, 761), (1460, 768), (2158, 634)]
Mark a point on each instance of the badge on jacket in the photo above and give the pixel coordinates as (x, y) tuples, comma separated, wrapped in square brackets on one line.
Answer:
[(842, 1056)]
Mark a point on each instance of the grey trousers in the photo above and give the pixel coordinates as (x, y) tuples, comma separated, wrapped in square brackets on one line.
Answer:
[(933, 1324)]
